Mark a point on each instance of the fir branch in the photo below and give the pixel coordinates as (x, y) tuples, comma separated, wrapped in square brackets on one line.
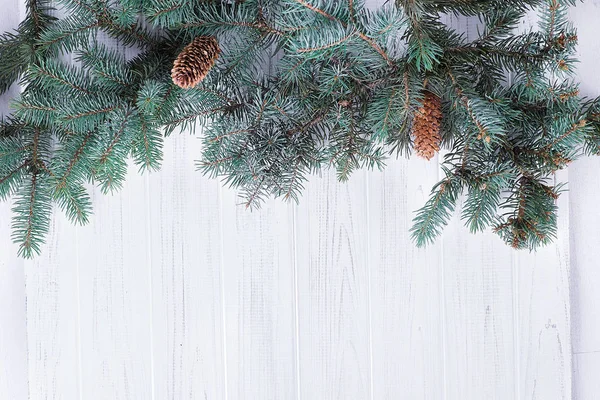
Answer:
[(436, 213), (54, 76), (573, 129), (346, 86), (76, 157), (364, 37), (147, 146), (31, 221), (260, 26), (10, 181), (171, 124)]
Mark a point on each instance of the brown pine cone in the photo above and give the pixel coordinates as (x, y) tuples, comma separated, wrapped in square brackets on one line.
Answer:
[(195, 61), (426, 126)]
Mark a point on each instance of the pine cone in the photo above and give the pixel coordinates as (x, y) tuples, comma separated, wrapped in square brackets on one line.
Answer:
[(426, 126), (195, 61)]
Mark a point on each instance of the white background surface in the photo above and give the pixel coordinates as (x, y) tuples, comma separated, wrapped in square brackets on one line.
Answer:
[(174, 292)]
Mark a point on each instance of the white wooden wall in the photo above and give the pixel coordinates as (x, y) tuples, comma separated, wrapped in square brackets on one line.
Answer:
[(174, 292)]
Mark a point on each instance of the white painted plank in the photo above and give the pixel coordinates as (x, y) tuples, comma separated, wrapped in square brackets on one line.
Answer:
[(478, 305), (542, 298), (153, 290), (585, 221), (479, 326), (115, 291), (13, 327), (405, 286), (186, 283), (586, 384), (585, 231), (585, 275), (333, 290), (545, 350), (478, 302), (492, 307), (52, 315), (542, 292), (258, 271), (115, 295), (13, 334)]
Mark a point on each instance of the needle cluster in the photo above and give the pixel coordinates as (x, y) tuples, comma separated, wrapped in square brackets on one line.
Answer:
[(283, 88)]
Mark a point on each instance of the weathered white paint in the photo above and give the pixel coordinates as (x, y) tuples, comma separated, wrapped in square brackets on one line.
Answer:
[(185, 288), (173, 291), (13, 329), (585, 223)]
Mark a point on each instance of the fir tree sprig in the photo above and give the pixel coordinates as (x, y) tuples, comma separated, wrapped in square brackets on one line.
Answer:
[(298, 85)]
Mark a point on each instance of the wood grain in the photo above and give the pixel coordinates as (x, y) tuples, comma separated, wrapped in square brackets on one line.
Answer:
[(333, 288), (479, 324), (258, 269), (114, 285), (544, 314), (53, 318), (405, 285), (13, 328), (585, 375), (175, 292), (585, 221), (584, 231), (185, 252)]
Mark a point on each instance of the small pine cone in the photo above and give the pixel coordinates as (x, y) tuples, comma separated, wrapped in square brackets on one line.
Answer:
[(195, 61), (426, 126)]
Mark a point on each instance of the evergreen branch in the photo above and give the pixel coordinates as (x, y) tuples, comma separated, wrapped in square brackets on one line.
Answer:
[(574, 128), (352, 11), (191, 117), (27, 243), (232, 133), (62, 183), (77, 205), (260, 26), (10, 182), (147, 149), (35, 158), (364, 37), (388, 109), (347, 87), (13, 152), (437, 211), (214, 163), (326, 46), (64, 82), (160, 12), (171, 124), (489, 126), (54, 75), (25, 106), (250, 202), (116, 138), (91, 113), (130, 34), (289, 192), (82, 5), (106, 64), (69, 37), (32, 211), (113, 78), (33, 12), (553, 8), (12, 173)]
